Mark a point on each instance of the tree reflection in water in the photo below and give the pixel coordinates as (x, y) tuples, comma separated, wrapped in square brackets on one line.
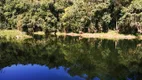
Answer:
[(95, 58)]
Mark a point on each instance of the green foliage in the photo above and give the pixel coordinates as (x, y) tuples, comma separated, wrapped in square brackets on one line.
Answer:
[(70, 15), (130, 22)]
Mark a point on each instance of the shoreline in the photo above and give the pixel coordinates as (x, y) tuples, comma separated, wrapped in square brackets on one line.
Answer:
[(111, 35)]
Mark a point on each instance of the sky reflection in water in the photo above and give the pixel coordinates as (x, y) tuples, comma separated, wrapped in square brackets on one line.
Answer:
[(36, 72)]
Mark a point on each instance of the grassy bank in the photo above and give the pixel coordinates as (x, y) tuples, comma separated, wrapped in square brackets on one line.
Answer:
[(13, 34), (112, 35)]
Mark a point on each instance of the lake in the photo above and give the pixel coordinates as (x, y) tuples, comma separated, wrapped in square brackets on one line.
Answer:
[(70, 58)]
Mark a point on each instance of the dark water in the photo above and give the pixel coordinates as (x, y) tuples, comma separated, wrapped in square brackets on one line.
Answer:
[(70, 58)]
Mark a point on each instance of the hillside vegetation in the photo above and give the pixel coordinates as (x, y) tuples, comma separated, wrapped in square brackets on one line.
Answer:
[(77, 16)]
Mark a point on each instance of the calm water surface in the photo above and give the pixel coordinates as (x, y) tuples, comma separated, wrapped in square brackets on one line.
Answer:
[(70, 58)]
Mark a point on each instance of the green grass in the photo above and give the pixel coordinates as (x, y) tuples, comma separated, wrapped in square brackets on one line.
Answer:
[(13, 34), (39, 33), (112, 35)]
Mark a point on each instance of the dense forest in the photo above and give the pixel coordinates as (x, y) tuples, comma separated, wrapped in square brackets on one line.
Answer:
[(76, 16)]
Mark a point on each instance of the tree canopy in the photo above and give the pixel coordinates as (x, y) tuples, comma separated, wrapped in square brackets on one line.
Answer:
[(72, 15)]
